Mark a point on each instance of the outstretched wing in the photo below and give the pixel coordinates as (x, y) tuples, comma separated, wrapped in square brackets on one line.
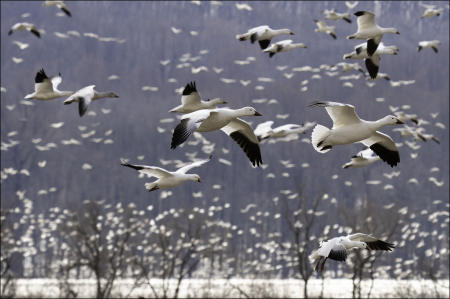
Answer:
[(190, 94), (372, 242), (42, 83), (242, 133), (382, 145), (188, 167), (365, 20), (341, 114), (188, 124), (56, 80), (152, 171)]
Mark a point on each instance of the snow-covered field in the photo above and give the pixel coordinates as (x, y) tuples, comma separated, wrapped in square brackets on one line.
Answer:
[(235, 288)]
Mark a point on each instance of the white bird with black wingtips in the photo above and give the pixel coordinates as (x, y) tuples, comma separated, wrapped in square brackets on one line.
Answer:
[(58, 3), (337, 248), (331, 14), (364, 158), (85, 96), (433, 44), (263, 34), (372, 62), (322, 27), (226, 120), (283, 46), (191, 101), (167, 179), (46, 88), (349, 128), (25, 26), (370, 31)]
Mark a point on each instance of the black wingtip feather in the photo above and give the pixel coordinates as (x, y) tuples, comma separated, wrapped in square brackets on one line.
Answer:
[(390, 157), (180, 134), (264, 43), (380, 245), (359, 13), (189, 88), (372, 68), (66, 12), (371, 46), (35, 32), (40, 76), (251, 149)]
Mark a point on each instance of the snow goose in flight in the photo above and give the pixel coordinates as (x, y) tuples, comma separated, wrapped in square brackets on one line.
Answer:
[(167, 179), (429, 44), (191, 101), (349, 128), (58, 3), (85, 96), (263, 34), (225, 119), (283, 46), (46, 88), (372, 62), (337, 248), (430, 11), (369, 30), (333, 15), (322, 27), (24, 26), (264, 130), (403, 117), (365, 157)]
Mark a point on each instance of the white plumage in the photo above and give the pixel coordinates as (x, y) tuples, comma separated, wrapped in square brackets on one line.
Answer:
[(85, 96), (191, 100), (283, 46), (46, 88), (263, 34)]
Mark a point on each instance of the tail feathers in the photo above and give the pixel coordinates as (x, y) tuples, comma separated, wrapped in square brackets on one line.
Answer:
[(319, 133)]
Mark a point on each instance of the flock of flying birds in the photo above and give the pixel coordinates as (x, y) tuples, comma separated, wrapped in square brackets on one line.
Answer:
[(199, 115)]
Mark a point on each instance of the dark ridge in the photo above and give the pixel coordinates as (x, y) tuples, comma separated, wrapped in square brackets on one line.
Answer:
[(388, 156), (264, 43), (189, 88), (372, 68), (435, 49), (251, 149)]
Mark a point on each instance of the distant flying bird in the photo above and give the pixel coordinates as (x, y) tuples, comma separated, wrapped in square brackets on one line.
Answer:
[(337, 248), (431, 12), (24, 26), (21, 45), (349, 128), (433, 44), (191, 101), (283, 46), (264, 130), (372, 62), (263, 34), (85, 96), (58, 3), (402, 116), (46, 88), (167, 179), (369, 30), (333, 15), (365, 157), (322, 27), (226, 120), (351, 5)]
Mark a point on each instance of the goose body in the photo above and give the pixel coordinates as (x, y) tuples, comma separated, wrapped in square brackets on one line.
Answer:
[(363, 158), (349, 128), (59, 4), (167, 179), (333, 15), (283, 46), (337, 248), (431, 12), (370, 31), (225, 119), (46, 88), (85, 96), (24, 26), (263, 34), (191, 101), (322, 27), (433, 44)]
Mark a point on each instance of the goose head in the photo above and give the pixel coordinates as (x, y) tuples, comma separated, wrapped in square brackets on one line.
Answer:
[(249, 111), (391, 120)]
